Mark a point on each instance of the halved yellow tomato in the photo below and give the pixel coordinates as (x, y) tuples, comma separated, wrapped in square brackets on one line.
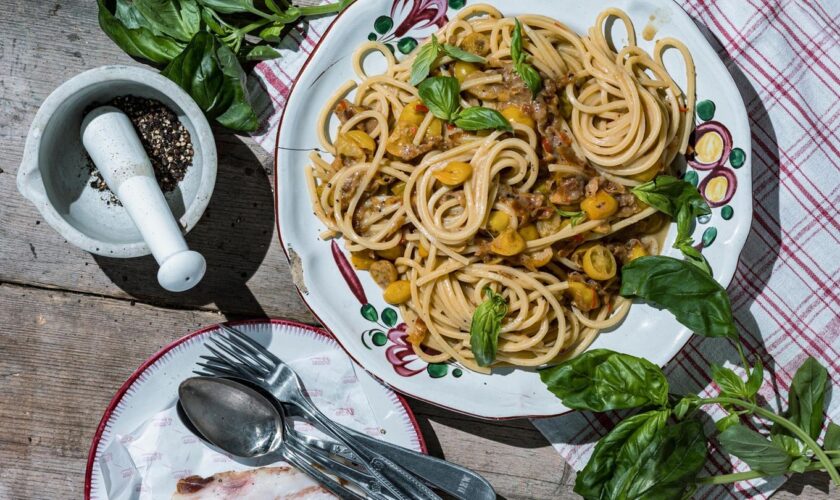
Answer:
[(599, 263)]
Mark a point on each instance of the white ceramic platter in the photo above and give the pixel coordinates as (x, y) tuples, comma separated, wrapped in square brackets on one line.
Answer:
[(360, 320), (316, 357)]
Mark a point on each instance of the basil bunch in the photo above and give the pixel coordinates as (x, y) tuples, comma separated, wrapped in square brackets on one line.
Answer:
[(659, 452), (429, 53), (202, 43)]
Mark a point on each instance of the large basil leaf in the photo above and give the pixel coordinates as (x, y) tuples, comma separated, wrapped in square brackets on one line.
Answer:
[(690, 294), (485, 327), (632, 434), (807, 397), (441, 94), (601, 380), (179, 19), (661, 468), (229, 6), (755, 450), (135, 39), (209, 71), (479, 118)]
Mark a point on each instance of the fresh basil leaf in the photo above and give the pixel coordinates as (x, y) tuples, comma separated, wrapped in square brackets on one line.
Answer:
[(271, 33), (790, 444), (799, 465), (832, 437), (755, 450), (179, 19), (685, 405), (137, 41), (575, 217), (728, 421), (261, 53), (632, 433), (755, 379), (694, 298), (210, 72), (127, 13), (485, 327), (527, 72), (230, 6), (807, 397), (661, 193), (680, 200), (664, 468), (479, 118), (729, 382), (422, 64), (530, 76), (441, 94), (601, 380), (694, 257), (462, 55)]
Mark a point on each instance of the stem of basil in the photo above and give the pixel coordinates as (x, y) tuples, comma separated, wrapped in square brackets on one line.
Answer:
[(318, 10), (754, 474), (787, 424), (740, 348)]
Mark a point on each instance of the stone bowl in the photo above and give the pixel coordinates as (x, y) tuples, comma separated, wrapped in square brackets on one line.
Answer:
[(54, 173)]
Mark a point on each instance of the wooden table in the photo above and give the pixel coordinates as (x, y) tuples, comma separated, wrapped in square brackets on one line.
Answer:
[(76, 325)]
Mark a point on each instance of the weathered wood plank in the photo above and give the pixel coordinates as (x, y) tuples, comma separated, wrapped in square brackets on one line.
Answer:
[(68, 353)]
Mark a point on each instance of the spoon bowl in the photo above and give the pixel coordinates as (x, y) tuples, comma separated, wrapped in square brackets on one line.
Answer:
[(232, 416)]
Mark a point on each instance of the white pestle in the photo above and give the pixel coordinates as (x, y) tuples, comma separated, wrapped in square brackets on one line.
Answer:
[(113, 145)]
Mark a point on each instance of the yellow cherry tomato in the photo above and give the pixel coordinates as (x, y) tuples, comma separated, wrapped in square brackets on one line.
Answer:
[(392, 253), (599, 206), (361, 260), (361, 138), (584, 296), (529, 232), (397, 292), (637, 251), (454, 173), (383, 272), (508, 243), (463, 69), (515, 115), (477, 43), (435, 128), (498, 221), (413, 113), (599, 263)]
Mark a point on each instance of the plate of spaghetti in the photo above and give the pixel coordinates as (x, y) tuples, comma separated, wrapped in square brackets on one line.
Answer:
[(459, 184)]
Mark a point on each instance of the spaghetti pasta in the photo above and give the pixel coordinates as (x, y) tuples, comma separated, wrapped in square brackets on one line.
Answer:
[(539, 214)]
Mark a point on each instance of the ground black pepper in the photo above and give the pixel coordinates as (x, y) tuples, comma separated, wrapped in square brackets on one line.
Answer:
[(166, 141)]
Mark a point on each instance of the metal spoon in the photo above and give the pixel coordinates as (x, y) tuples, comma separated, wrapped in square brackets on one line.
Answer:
[(241, 421)]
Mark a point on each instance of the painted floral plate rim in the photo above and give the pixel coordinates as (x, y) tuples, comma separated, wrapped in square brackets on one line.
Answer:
[(352, 308)]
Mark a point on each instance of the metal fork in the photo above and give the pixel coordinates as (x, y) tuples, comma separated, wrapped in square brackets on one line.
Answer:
[(238, 355)]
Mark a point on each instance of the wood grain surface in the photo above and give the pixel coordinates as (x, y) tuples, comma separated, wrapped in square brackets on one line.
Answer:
[(76, 325)]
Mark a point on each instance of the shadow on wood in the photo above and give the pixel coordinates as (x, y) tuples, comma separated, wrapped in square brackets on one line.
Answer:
[(233, 235)]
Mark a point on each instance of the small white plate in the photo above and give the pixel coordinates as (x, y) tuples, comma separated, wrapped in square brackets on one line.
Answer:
[(363, 323), (153, 387)]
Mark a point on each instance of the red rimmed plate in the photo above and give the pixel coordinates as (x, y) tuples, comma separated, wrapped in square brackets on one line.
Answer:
[(153, 387)]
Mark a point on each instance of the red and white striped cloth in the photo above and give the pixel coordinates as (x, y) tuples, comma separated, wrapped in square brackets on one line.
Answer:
[(785, 58)]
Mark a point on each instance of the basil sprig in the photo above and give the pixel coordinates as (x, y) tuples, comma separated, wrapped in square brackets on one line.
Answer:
[(441, 94), (525, 70), (576, 217), (680, 200), (428, 54), (485, 327)]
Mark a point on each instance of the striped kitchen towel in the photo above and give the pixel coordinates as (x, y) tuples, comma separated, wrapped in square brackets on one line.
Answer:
[(785, 58)]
